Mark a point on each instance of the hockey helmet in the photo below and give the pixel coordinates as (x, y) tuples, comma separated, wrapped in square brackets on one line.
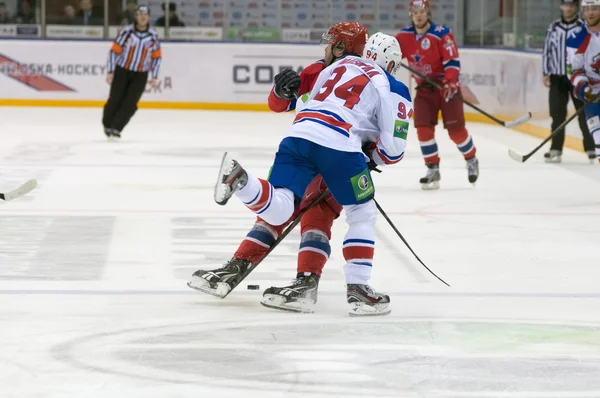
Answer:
[(587, 3), (352, 34), (382, 49), (419, 4)]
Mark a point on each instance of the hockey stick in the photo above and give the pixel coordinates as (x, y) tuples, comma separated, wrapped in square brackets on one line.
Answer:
[(523, 158), (513, 123), (20, 191), (280, 238), (406, 243)]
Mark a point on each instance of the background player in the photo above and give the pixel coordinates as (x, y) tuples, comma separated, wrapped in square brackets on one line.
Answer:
[(432, 51), (341, 39), (584, 67), (350, 103)]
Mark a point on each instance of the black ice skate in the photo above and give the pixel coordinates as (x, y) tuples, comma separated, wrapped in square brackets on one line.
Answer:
[(432, 178), (364, 301), (112, 134), (219, 282), (299, 296), (553, 156), (231, 177), (473, 170)]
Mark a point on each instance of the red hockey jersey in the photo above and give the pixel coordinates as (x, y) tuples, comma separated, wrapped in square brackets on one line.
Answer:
[(434, 54), (308, 77)]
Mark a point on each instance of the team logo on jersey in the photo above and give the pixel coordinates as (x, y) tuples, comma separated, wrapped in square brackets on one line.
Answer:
[(401, 129), (362, 185), (425, 44), (596, 64)]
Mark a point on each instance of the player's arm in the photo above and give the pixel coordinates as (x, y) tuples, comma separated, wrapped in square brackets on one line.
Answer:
[(393, 117), (576, 67), (546, 52), (449, 56), (307, 78)]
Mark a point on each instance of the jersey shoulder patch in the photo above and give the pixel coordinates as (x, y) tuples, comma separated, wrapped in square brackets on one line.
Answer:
[(438, 31), (576, 36), (399, 88)]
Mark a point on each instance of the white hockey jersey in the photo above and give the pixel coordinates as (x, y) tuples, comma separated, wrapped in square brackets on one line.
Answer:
[(583, 51), (354, 101)]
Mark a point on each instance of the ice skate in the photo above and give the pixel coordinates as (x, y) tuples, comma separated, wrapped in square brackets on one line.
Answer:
[(473, 170), (553, 156), (591, 156), (432, 178), (365, 301), (232, 177), (219, 282), (299, 296)]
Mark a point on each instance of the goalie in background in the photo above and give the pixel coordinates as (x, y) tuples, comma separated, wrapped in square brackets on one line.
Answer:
[(134, 54)]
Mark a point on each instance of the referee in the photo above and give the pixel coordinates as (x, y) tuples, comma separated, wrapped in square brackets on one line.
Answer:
[(555, 77), (134, 54)]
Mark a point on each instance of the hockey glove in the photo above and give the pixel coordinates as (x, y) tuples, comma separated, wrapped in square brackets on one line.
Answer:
[(583, 91), (368, 149), (449, 90), (287, 84)]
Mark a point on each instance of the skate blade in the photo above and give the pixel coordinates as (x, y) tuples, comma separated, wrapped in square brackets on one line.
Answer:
[(221, 290), (277, 302), (362, 309), (430, 186), (223, 191), (552, 160)]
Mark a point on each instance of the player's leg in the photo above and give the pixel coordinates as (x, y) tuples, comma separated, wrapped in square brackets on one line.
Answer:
[(592, 113), (137, 85), (426, 106), (352, 187), (453, 114), (558, 99), (301, 294), (273, 200), (117, 92), (588, 141)]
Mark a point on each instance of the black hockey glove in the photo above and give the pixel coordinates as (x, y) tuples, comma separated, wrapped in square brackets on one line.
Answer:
[(287, 84), (368, 149)]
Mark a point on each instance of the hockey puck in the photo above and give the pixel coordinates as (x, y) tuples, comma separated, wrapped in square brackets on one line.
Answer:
[(253, 287)]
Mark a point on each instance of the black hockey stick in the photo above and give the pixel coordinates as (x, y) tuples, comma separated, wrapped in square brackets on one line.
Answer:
[(406, 243), (20, 191), (281, 237), (513, 123), (523, 158)]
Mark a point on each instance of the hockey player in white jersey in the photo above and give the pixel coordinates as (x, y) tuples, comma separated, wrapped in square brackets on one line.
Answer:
[(353, 101), (584, 67)]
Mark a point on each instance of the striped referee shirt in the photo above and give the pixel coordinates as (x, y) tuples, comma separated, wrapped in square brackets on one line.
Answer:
[(135, 50), (555, 47)]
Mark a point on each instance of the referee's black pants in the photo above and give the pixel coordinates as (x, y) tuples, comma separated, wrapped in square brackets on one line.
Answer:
[(560, 91), (125, 92)]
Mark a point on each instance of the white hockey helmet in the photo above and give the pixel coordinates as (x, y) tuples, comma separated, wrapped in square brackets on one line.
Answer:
[(382, 49), (585, 3)]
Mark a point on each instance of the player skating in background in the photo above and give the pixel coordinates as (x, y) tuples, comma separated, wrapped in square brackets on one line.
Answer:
[(584, 67), (341, 39), (432, 51), (353, 101)]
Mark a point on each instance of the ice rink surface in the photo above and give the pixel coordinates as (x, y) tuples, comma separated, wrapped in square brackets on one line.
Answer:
[(94, 264)]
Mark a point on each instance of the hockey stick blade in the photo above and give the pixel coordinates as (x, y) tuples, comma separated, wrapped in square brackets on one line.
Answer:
[(20, 191), (518, 121), (516, 156)]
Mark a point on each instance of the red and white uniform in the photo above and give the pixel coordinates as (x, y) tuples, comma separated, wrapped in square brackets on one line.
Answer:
[(435, 55)]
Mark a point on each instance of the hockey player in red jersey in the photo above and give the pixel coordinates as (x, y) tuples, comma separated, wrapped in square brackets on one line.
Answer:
[(431, 50), (316, 223)]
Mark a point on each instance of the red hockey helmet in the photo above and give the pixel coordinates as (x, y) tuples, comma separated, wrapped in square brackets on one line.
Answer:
[(352, 34), (419, 4)]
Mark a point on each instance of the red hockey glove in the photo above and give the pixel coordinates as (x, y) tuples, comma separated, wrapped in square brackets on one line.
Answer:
[(368, 148), (449, 90)]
